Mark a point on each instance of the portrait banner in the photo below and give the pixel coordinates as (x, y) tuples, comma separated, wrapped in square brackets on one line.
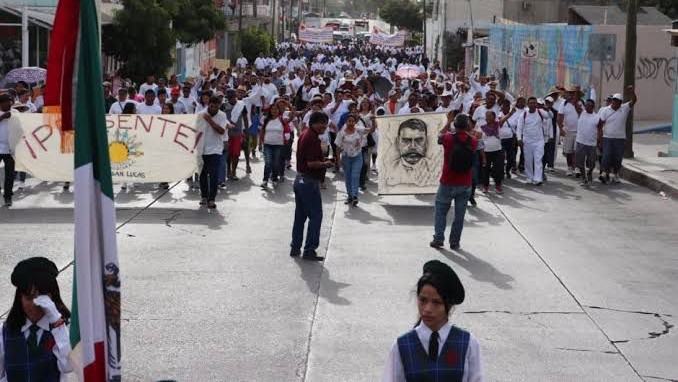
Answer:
[(142, 148), (410, 159)]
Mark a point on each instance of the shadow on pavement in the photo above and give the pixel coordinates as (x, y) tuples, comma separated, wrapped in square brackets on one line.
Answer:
[(311, 273), (480, 270)]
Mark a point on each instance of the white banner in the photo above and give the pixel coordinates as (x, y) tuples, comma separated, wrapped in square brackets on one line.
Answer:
[(380, 38), (315, 35), (142, 148), (410, 158)]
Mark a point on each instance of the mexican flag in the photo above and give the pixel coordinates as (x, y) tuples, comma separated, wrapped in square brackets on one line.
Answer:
[(74, 77)]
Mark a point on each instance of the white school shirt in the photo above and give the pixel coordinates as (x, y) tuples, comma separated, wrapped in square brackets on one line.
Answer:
[(571, 118), (479, 114), (119, 106), (587, 129), (61, 350), (395, 372), (615, 121), (214, 142), (142, 108)]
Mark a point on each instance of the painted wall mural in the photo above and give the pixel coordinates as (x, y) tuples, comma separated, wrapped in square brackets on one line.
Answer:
[(561, 57)]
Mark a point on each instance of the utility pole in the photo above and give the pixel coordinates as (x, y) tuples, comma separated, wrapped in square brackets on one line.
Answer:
[(630, 68), (424, 28), (273, 20)]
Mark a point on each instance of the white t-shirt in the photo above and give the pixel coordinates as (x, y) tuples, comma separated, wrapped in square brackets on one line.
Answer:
[(214, 143), (189, 104), (615, 121), (350, 144), (481, 111), (4, 135), (274, 133), (145, 86), (142, 108), (587, 129), (506, 130), (570, 116), (118, 107)]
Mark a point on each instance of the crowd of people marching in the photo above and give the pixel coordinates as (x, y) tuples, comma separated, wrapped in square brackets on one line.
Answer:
[(257, 108)]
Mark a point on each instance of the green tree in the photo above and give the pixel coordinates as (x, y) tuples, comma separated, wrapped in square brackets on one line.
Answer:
[(254, 41), (402, 14), (144, 32)]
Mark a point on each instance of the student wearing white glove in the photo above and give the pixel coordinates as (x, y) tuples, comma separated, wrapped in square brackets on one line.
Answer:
[(34, 341)]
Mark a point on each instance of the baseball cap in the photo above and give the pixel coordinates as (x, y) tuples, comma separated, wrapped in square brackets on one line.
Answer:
[(175, 91), (618, 97), (548, 99)]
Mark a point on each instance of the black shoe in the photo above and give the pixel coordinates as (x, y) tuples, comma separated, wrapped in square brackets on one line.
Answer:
[(473, 202), (8, 202), (355, 202), (508, 175), (211, 205), (348, 200), (203, 201), (312, 256), (604, 179), (539, 183), (454, 245), (436, 244), (295, 253), (363, 187)]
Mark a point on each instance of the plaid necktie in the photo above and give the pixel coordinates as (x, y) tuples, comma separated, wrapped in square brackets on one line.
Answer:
[(33, 339), (433, 347)]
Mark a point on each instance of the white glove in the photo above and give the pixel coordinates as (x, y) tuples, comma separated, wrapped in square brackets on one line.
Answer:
[(47, 305)]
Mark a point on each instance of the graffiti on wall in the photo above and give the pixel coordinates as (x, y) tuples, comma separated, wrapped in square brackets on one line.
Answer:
[(656, 69), (561, 57)]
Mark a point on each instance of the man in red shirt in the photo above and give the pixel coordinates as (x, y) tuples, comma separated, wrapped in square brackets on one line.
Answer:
[(455, 182), (311, 165)]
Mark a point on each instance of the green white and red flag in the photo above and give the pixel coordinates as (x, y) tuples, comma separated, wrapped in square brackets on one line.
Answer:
[(74, 86)]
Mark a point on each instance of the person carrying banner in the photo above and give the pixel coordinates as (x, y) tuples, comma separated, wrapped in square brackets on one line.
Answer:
[(34, 341)]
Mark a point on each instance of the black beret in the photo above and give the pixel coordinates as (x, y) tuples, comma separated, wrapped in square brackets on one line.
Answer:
[(452, 289), (36, 268)]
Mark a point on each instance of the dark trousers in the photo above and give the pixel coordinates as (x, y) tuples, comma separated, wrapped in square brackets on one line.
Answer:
[(9, 174), (365, 167), (509, 147), (333, 137), (209, 176), (308, 205), (494, 167), (273, 162), (549, 153), (475, 173)]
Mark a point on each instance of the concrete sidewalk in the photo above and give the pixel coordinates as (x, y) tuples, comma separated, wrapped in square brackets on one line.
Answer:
[(648, 169)]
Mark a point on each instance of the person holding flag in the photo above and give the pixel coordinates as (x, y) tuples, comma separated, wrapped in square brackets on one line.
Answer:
[(75, 91), (34, 344)]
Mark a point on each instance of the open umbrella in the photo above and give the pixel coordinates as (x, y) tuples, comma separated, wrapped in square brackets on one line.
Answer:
[(382, 86), (30, 74), (408, 71)]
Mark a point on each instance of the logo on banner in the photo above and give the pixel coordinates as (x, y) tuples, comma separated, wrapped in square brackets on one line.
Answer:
[(123, 149), (529, 49)]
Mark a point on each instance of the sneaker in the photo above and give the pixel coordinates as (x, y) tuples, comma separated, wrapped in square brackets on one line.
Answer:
[(584, 183), (211, 205), (569, 172), (363, 187), (604, 179), (67, 185), (498, 189), (577, 174), (264, 184), (485, 189), (295, 253), (473, 202), (312, 256), (436, 244), (8, 201), (222, 186), (538, 183), (122, 187), (22, 184), (355, 202), (203, 201)]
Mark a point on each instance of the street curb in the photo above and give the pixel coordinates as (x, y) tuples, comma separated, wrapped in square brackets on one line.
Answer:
[(642, 178)]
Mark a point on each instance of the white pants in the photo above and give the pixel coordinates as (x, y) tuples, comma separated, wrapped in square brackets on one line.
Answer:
[(533, 153)]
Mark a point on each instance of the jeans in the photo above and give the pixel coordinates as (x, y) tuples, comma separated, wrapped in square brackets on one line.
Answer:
[(509, 147), (208, 176), (272, 162), (9, 174), (613, 152), (352, 166), (221, 171), (475, 173), (495, 167), (446, 194), (308, 205)]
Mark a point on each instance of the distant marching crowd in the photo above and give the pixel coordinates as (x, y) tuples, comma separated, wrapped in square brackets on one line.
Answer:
[(258, 108)]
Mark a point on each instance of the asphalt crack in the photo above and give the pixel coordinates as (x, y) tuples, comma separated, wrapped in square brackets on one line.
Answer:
[(651, 335), (589, 350), (517, 313), (173, 217)]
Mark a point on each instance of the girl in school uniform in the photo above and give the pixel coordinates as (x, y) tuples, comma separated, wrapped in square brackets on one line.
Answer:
[(435, 350), (34, 341)]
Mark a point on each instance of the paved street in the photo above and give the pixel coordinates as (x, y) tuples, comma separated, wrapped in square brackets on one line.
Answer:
[(563, 283)]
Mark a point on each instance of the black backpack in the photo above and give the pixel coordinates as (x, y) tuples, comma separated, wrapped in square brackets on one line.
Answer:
[(461, 157)]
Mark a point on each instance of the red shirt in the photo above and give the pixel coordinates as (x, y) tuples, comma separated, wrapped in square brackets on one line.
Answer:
[(449, 176), (309, 150)]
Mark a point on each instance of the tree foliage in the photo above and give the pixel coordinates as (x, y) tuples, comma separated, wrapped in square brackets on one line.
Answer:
[(143, 33), (402, 14), (667, 7), (254, 41)]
